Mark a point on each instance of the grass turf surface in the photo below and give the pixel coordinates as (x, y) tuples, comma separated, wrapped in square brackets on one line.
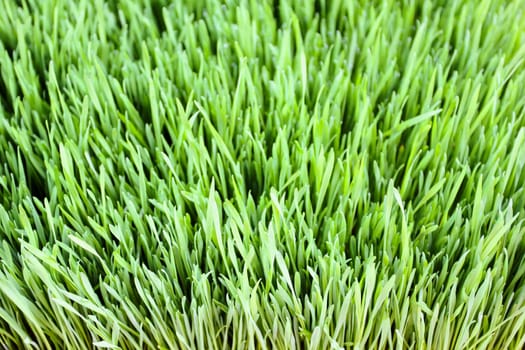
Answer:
[(262, 174)]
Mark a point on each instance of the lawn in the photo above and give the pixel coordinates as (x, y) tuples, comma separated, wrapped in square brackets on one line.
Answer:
[(258, 174)]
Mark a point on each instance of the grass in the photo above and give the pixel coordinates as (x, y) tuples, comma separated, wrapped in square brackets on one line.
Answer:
[(254, 174)]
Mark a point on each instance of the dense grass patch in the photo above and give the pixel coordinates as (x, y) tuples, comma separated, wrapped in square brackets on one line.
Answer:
[(262, 174)]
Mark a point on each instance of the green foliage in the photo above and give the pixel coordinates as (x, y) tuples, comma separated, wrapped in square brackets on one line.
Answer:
[(256, 174)]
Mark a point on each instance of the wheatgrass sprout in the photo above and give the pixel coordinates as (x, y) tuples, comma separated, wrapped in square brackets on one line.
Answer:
[(256, 174)]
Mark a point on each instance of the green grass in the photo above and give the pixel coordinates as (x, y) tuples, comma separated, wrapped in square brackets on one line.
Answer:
[(254, 174)]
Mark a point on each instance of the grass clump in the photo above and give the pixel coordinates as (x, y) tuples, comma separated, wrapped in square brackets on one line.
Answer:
[(262, 174)]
